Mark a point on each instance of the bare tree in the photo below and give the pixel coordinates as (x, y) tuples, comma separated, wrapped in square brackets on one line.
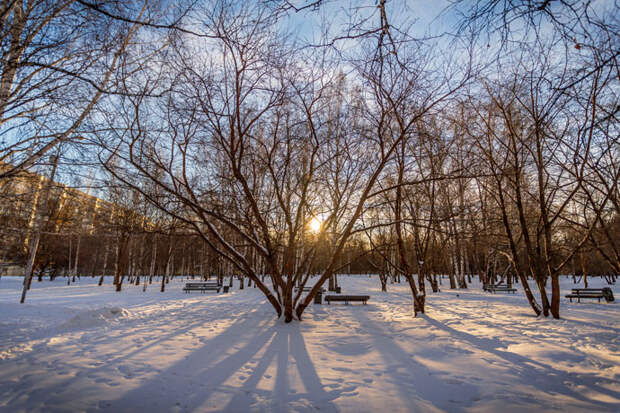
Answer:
[(546, 149), (59, 59), (247, 139)]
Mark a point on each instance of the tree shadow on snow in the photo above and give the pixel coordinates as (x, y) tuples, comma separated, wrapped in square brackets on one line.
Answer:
[(63, 389), (288, 351), (532, 373), (413, 380), (242, 353)]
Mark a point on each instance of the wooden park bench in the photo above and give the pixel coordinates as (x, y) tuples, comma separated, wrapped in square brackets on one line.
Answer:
[(202, 286), (347, 298), (499, 288), (597, 293)]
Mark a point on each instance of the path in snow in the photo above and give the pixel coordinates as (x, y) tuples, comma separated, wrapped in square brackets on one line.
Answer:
[(83, 347)]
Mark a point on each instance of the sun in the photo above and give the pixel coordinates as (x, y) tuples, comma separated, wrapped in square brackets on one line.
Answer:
[(315, 225)]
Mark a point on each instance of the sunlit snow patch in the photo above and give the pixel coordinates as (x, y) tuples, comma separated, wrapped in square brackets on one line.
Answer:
[(96, 317)]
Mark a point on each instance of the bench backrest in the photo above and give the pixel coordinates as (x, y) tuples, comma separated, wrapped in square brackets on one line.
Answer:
[(347, 297), (605, 292)]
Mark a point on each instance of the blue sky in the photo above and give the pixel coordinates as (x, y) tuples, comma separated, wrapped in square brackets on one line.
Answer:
[(422, 16)]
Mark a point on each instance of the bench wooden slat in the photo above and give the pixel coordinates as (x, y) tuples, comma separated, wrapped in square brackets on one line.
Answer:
[(347, 298), (579, 296), (202, 286), (500, 288), (215, 287), (599, 293)]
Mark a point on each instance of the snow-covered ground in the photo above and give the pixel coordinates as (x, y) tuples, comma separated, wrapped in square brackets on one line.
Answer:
[(87, 348)]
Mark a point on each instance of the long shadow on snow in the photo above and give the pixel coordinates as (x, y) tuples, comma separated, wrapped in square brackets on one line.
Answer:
[(67, 392), (198, 375), (606, 331), (287, 342), (203, 373), (530, 315), (145, 325), (418, 381), (545, 378)]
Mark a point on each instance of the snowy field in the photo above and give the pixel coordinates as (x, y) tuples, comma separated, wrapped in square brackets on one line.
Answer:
[(87, 348)]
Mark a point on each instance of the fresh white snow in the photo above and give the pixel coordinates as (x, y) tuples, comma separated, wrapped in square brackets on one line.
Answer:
[(87, 348)]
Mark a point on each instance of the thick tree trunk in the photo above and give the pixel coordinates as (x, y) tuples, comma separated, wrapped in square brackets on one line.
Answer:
[(513, 249), (555, 296), (30, 267), (287, 297), (383, 279), (432, 279), (452, 280), (418, 298), (543, 296)]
